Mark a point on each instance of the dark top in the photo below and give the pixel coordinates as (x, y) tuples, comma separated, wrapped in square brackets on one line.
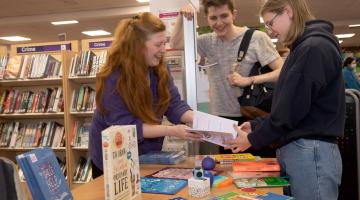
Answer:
[(120, 115), (309, 99)]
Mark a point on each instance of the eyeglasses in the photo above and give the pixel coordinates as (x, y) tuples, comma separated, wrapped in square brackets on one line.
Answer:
[(269, 24)]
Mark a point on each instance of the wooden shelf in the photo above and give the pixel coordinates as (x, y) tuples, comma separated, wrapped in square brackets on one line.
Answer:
[(82, 114), (32, 115), (80, 148), (83, 79), (31, 82)]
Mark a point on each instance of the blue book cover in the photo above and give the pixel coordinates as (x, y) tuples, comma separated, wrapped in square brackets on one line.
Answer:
[(161, 185), (162, 157), (47, 174), (30, 179)]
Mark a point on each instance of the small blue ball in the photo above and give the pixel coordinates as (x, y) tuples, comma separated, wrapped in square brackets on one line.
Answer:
[(208, 163), (210, 176)]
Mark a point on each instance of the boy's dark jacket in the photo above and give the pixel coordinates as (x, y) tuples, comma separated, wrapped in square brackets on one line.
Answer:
[(309, 99)]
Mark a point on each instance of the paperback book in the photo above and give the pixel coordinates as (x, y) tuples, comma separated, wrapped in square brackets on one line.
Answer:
[(261, 182), (162, 157), (43, 174), (251, 194), (214, 129), (161, 185), (176, 173), (261, 165), (121, 162)]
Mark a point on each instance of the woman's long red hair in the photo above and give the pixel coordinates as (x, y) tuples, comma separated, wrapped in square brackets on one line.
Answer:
[(126, 54)]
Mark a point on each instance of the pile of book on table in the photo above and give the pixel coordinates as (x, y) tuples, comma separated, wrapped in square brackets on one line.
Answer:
[(259, 173), (43, 175), (162, 157)]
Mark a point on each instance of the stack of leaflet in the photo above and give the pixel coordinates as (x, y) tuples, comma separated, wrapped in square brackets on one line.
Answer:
[(43, 175), (162, 157)]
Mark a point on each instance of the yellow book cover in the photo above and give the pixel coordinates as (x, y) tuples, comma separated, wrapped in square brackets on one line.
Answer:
[(13, 68), (238, 157)]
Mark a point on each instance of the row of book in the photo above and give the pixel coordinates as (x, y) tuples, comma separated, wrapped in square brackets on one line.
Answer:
[(83, 99), (83, 171), (31, 67), (27, 101), (27, 135), (87, 63), (80, 134)]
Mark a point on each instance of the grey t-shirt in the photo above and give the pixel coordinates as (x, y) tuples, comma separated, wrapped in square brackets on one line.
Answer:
[(223, 96)]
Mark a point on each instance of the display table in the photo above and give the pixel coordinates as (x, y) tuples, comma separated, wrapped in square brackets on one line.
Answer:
[(95, 188)]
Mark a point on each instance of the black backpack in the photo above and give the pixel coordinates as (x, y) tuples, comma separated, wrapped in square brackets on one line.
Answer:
[(256, 95)]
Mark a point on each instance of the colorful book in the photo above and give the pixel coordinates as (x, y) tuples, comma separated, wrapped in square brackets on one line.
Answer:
[(261, 182), (238, 157), (261, 165), (13, 67), (176, 173), (251, 194), (161, 185), (162, 157), (258, 174), (121, 162), (43, 174)]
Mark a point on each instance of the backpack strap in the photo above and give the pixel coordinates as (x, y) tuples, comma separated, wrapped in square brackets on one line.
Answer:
[(244, 45)]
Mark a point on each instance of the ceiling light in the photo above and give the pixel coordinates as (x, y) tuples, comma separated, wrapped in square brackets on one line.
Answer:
[(142, 1), (15, 38), (354, 25), (348, 35), (274, 40), (64, 22), (96, 33), (341, 41), (261, 20)]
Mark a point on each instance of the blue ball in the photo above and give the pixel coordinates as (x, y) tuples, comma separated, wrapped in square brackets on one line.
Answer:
[(210, 176), (208, 163)]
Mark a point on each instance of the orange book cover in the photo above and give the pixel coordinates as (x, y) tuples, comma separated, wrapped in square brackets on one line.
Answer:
[(261, 165)]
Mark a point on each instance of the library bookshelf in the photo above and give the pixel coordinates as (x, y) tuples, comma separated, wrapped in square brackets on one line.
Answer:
[(80, 83), (43, 81)]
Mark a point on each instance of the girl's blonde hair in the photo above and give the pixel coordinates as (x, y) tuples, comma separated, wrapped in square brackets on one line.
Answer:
[(126, 55), (301, 14)]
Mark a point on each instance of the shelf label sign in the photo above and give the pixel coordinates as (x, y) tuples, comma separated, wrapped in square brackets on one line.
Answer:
[(43, 48), (98, 45)]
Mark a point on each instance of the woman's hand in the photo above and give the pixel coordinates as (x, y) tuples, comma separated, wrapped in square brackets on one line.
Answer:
[(181, 132), (187, 11), (241, 142), (237, 80)]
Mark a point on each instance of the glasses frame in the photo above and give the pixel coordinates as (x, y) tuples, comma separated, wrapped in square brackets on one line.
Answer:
[(268, 25)]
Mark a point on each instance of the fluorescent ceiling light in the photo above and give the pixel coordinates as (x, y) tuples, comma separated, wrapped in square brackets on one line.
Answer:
[(142, 1), (354, 25), (64, 22), (261, 20), (274, 40), (15, 38), (348, 35), (341, 41), (96, 33)]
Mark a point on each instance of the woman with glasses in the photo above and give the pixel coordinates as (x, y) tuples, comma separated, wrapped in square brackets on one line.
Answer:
[(221, 47), (308, 107)]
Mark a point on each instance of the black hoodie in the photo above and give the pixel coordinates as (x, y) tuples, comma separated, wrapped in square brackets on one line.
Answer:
[(309, 99)]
